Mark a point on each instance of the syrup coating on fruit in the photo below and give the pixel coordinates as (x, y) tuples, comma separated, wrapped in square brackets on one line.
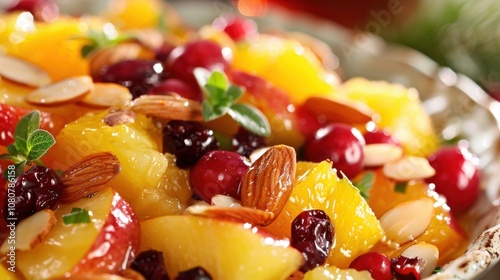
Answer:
[(330, 224)]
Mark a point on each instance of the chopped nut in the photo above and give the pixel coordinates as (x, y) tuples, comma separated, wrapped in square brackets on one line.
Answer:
[(238, 214), (23, 72), (168, 107)]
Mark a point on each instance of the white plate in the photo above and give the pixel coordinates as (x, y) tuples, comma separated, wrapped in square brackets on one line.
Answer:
[(457, 105)]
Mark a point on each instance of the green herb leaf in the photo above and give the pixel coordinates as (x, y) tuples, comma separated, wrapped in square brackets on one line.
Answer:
[(38, 143), (209, 112), (87, 50), (216, 86), (400, 187), (234, 93), (437, 269), (12, 150), (99, 40), (365, 184), (77, 216), (18, 170), (27, 124), (20, 145), (250, 118)]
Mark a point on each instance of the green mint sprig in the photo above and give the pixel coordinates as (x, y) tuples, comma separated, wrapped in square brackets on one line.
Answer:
[(221, 98), (30, 143), (400, 187), (76, 216), (365, 184), (100, 40)]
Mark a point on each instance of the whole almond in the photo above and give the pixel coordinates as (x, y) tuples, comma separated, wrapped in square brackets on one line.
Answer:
[(168, 107), (268, 183), (337, 110), (31, 231), (88, 176), (238, 214)]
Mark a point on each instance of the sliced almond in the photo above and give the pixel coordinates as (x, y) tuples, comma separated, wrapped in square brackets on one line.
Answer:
[(100, 276), (104, 57), (88, 176), (31, 231), (239, 214), (108, 95), (351, 112), (64, 91), (256, 154), (23, 72), (427, 254), (408, 220), (408, 168), (225, 201), (268, 183), (380, 154), (117, 117), (168, 107)]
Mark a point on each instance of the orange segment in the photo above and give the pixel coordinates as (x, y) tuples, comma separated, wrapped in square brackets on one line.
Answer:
[(442, 231), (134, 13), (318, 187), (400, 110)]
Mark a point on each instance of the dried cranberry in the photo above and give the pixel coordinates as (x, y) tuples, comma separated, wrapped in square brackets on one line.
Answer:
[(404, 268), (196, 273), (312, 235), (151, 265), (36, 189), (188, 141), (244, 142)]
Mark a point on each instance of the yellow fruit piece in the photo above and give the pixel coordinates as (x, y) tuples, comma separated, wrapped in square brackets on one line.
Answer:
[(285, 63), (52, 46), (335, 273), (6, 274), (400, 110), (318, 187), (129, 14), (136, 145), (442, 232), (227, 250)]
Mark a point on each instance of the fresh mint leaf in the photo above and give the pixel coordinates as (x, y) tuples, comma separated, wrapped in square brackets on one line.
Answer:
[(216, 86), (12, 150), (365, 184), (209, 112), (87, 50), (21, 145), (250, 118), (400, 187), (38, 143), (76, 216), (234, 93), (26, 125)]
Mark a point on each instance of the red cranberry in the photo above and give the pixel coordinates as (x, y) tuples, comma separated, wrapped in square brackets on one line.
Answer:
[(237, 28), (378, 264), (196, 273), (179, 87), (188, 141), (244, 142), (218, 172), (206, 54), (340, 143), (312, 235), (404, 268), (138, 75), (151, 265), (42, 10), (37, 189), (380, 137), (457, 177)]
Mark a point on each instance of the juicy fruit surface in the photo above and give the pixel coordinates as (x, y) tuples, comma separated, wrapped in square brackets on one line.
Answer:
[(227, 250), (318, 187), (63, 248), (400, 110), (285, 63), (442, 231), (137, 147), (332, 272)]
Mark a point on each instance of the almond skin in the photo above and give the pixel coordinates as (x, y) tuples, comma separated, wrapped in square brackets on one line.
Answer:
[(238, 214), (88, 176), (269, 182), (168, 107)]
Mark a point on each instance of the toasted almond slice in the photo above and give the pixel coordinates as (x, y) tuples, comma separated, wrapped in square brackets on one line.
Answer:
[(88, 176), (31, 231), (225, 201), (108, 95), (268, 183), (23, 72), (408, 220), (427, 254), (168, 107), (408, 168), (239, 214), (150, 38), (380, 154), (351, 112), (100, 276), (64, 91)]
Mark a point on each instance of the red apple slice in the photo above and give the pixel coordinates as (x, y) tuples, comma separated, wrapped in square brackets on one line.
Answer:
[(105, 245)]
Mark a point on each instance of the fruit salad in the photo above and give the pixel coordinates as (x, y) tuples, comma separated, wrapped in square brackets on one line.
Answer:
[(135, 147)]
